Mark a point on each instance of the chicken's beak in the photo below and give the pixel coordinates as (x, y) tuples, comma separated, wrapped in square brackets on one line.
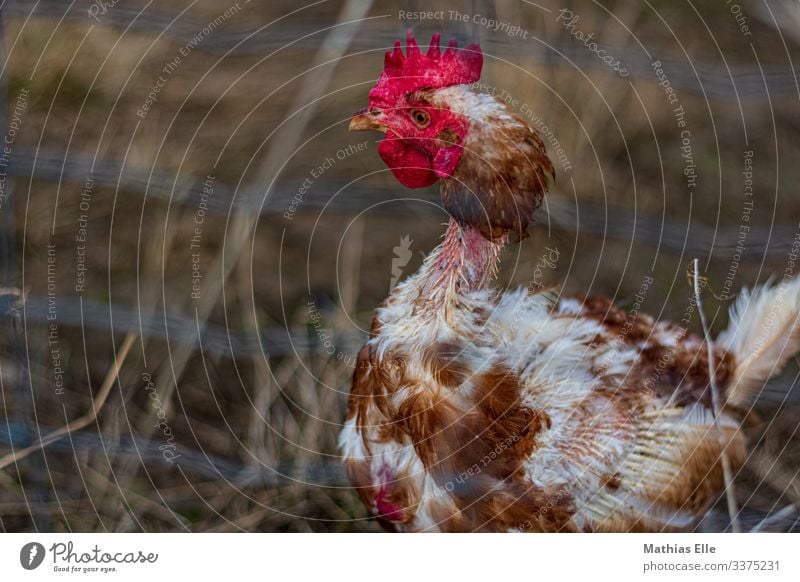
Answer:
[(365, 120)]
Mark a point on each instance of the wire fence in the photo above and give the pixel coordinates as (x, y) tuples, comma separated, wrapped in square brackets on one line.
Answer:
[(201, 463), (707, 78), (22, 431), (569, 213), (181, 329)]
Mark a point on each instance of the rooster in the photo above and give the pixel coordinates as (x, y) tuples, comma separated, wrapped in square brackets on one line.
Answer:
[(472, 410)]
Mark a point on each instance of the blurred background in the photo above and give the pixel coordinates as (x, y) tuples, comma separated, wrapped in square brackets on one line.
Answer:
[(192, 243)]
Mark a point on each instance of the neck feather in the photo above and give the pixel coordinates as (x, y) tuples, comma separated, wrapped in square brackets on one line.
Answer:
[(465, 261)]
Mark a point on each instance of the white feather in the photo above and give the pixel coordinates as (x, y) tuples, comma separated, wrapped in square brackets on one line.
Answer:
[(763, 333)]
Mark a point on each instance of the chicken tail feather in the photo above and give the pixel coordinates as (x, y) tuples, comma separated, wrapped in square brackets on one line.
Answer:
[(763, 334)]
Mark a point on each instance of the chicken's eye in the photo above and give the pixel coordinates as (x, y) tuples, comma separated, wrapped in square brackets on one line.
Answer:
[(420, 117)]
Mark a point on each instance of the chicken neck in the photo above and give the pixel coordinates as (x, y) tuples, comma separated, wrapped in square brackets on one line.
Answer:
[(464, 262)]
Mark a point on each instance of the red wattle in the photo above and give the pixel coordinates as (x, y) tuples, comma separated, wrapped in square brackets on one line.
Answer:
[(410, 166), (446, 160)]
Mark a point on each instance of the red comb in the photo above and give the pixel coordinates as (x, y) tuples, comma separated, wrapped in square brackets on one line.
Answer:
[(414, 70)]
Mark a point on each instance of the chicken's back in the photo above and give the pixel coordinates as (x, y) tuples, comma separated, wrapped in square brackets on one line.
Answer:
[(518, 413)]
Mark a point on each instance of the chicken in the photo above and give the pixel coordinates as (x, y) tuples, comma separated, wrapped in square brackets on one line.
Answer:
[(472, 410)]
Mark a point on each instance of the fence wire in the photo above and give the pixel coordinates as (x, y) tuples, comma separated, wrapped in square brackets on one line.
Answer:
[(704, 77)]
